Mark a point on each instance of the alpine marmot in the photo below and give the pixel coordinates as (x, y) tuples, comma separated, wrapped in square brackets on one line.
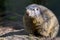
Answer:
[(40, 21)]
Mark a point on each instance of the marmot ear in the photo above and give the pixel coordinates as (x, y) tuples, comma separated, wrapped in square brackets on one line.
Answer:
[(45, 10)]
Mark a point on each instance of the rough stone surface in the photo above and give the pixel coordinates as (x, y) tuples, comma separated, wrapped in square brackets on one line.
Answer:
[(10, 34), (24, 37)]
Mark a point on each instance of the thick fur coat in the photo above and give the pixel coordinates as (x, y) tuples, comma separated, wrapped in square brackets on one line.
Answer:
[(44, 24)]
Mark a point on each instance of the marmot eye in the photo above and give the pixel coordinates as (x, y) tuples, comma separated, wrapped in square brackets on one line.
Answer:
[(36, 9), (33, 9)]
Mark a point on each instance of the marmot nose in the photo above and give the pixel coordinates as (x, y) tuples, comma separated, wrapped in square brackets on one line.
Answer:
[(27, 14)]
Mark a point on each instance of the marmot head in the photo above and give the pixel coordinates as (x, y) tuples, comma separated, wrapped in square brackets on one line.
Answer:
[(33, 10)]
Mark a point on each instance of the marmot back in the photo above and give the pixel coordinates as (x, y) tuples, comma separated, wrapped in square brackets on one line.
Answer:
[(40, 20)]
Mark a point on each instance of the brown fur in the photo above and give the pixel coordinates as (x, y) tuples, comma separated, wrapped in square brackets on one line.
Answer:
[(47, 28)]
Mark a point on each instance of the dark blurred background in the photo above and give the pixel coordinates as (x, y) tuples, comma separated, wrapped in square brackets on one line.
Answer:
[(18, 6), (12, 11)]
